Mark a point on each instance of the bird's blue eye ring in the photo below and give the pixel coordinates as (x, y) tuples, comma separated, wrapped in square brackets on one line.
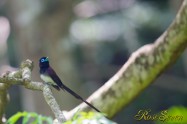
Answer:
[(42, 60)]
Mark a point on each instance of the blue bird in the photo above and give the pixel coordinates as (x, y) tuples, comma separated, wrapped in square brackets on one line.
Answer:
[(49, 76)]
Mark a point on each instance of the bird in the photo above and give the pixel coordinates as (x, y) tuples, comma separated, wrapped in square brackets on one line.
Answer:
[(49, 76)]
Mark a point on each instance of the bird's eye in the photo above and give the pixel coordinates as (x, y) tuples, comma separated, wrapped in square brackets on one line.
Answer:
[(42, 60)]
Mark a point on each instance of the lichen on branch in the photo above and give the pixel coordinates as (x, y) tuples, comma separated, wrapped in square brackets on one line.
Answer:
[(23, 77)]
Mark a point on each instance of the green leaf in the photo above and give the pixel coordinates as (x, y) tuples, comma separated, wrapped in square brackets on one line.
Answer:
[(26, 119), (49, 120), (175, 115), (15, 118), (37, 119), (89, 118)]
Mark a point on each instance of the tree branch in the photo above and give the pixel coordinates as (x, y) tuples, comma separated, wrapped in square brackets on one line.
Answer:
[(23, 77), (4, 98), (142, 68)]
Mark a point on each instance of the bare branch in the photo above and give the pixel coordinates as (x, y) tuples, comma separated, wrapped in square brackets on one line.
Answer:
[(142, 68)]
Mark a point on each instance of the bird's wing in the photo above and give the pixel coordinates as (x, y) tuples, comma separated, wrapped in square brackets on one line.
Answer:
[(54, 77), (57, 80)]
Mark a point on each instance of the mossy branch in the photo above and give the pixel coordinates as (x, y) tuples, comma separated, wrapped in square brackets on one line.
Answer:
[(23, 77), (142, 68)]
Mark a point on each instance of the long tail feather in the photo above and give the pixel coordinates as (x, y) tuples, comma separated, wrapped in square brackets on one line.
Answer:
[(78, 97)]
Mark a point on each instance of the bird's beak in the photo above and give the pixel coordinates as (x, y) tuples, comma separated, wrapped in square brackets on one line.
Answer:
[(47, 58)]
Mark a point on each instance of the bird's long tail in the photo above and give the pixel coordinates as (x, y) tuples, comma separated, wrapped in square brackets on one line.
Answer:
[(78, 97)]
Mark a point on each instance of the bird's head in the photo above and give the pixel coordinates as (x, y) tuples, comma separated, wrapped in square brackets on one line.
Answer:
[(44, 62)]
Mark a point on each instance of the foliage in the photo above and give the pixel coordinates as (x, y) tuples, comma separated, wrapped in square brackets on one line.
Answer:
[(29, 117), (175, 115), (89, 118), (79, 118)]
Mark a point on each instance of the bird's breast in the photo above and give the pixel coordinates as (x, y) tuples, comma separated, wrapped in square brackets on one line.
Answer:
[(47, 79)]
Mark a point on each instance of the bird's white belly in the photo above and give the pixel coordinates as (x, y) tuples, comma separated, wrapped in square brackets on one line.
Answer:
[(47, 79)]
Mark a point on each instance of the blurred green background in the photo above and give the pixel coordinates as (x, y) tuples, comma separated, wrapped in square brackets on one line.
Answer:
[(87, 41)]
